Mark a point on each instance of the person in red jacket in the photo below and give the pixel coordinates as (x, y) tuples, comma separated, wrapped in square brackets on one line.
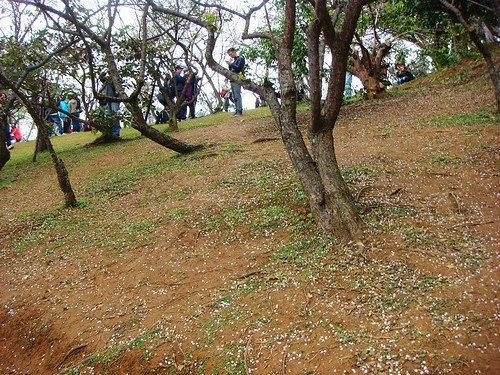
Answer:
[(16, 133)]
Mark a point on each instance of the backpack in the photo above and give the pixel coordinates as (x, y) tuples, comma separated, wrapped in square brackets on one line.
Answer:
[(162, 117)]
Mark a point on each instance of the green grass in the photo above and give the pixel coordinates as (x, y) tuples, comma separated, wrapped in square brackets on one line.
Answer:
[(140, 227), (445, 159), (307, 253), (145, 342), (479, 118), (357, 173)]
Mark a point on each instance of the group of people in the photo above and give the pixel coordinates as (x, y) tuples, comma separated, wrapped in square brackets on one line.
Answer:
[(61, 121), (181, 82)]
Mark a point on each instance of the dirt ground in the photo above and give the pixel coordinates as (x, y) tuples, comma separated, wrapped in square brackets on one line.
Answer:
[(211, 263)]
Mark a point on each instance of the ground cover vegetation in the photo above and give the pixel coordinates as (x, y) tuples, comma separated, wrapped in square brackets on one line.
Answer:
[(211, 262), (317, 235)]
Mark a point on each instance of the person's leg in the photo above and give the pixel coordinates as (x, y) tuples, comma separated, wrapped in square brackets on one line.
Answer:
[(57, 120), (182, 113), (192, 109), (115, 108), (236, 90), (75, 124)]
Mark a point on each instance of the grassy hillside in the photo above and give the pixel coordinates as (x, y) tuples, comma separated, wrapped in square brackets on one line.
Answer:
[(210, 263)]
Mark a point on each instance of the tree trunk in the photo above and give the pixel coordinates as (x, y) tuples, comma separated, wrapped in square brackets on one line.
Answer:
[(61, 171), (157, 136), (4, 153), (374, 87), (338, 212), (331, 204), (40, 144), (173, 123), (493, 69)]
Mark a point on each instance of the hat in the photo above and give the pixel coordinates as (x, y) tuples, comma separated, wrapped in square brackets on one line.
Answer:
[(177, 67)]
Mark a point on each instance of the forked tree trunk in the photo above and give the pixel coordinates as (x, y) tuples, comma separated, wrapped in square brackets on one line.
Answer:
[(367, 67), (374, 88), (330, 201)]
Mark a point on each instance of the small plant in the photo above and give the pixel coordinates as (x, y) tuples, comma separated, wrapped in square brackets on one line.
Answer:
[(357, 173), (142, 227), (416, 236), (443, 159), (104, 120)]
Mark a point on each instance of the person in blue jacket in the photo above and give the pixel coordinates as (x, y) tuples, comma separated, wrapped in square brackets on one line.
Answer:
[(236, 64), (180, 81), (63, 104)]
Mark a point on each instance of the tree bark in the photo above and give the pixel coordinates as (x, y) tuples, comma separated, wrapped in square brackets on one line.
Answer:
[(367, 68), (493, 69), (4, 152), (157, 136), (61, 171), (460, 14)]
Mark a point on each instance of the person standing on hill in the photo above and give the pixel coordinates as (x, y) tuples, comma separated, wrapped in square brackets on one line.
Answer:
[(191, 91), (63, 104), (109, 90), (180, 81), (236, 65), (75, 109)]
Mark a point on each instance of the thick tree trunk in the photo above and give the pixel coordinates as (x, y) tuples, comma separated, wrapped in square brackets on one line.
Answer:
[(157, 136), (4, 153), (338, 211)]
